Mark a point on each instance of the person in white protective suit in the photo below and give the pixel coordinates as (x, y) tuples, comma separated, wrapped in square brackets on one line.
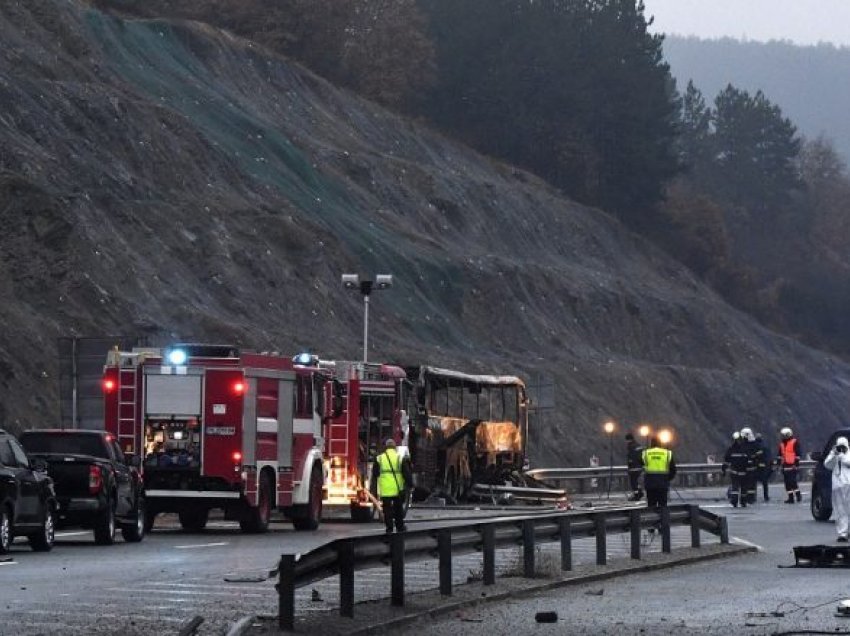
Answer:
[(838, 461)]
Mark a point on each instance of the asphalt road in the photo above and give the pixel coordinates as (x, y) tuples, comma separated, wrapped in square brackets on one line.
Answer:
[(156, 586), (753, 594)]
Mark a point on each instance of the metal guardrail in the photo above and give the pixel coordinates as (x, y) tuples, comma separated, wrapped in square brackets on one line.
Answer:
[(345, 556), (690, 475)]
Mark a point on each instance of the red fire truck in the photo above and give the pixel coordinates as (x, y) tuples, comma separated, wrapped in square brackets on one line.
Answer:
[(215, 427), (370, 400)]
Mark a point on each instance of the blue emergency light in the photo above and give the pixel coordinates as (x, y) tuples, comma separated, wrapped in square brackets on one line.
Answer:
[(177, 357)]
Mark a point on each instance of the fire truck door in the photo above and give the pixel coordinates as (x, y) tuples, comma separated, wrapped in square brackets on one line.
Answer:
[(249, 423), (285, 404)]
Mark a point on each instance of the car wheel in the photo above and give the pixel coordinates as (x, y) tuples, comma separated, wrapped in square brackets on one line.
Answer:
[(821, 511), (104, 529), (150, 519), (5, 530), (42, 541), (135, 532)]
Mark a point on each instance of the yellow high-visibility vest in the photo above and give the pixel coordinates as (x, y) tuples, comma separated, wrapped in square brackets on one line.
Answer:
[(657, 460), (390, 479)]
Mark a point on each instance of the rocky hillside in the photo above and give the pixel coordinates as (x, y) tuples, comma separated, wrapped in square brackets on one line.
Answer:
[(171, 181)]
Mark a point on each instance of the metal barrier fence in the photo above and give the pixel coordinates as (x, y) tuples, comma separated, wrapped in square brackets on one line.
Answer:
[(345, 556), (588, 480)]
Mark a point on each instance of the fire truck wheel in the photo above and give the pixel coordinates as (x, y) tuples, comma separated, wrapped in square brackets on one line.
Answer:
[(104, 529), (256, 520), (135, 531), (311, 514), (193, 520)]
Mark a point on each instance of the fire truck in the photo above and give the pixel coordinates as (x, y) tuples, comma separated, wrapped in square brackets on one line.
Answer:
[(216, 427), (369, 400)]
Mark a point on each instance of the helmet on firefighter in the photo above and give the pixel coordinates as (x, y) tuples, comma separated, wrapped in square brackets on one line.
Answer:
[(747, 434), (786, 432), (736, 436), (389, 443)]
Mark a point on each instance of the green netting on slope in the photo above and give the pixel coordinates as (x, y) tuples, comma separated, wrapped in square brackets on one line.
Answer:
[(154, 58)]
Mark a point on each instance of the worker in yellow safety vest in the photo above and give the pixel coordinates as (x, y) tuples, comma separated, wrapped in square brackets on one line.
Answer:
[(659, 468), (394, 478)]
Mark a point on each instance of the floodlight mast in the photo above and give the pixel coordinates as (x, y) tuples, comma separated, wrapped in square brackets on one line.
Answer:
[(366, 286)]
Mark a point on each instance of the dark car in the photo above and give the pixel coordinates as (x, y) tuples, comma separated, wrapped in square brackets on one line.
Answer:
[(822, 479), (27, 499), (96, 486)]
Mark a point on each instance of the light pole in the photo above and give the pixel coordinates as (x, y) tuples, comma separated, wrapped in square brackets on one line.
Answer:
[(609, 427), (366, 286)]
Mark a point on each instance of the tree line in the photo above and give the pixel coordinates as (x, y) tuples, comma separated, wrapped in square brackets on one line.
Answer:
[(578, 92)]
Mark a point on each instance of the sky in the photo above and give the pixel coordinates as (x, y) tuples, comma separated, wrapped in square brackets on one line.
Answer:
[(803, 22)]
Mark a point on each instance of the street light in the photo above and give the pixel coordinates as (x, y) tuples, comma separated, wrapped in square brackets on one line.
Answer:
[(366, 286), (644, 431), (609, 427), (665, 436)]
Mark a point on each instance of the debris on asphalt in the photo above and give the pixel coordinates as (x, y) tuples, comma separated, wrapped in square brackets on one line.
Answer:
[(546, 617)]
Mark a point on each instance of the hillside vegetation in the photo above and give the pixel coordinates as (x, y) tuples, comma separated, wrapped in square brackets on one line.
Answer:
[(171, 180)]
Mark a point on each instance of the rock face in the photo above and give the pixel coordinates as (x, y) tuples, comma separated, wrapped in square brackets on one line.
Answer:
[(170, 181)]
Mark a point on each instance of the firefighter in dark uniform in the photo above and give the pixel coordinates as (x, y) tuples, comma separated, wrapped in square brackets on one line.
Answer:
[(789, 459), (659, 468), (755, 466), (634, 464), (736, 462), (394, 477)]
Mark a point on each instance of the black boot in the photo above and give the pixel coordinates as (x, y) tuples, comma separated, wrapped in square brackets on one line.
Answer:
[(799, 496), (790, 498)]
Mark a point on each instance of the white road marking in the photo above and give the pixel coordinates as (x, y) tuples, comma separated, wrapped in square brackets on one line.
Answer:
[(200, 545), (741, 541), (8, 563), (186, 592)]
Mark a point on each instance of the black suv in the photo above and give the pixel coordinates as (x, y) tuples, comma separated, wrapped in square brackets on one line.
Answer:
[(822, 479), (27, 499)]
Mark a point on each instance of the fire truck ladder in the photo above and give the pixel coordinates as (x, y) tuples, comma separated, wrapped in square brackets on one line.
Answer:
[(127, 408)]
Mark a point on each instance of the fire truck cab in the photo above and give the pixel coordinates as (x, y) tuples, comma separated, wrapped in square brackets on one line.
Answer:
[(216, 427), (370, 400)]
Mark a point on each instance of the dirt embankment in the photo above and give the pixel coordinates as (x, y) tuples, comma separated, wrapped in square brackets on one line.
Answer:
[(172, 181)]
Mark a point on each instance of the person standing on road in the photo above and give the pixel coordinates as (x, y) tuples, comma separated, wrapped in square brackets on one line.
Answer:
[(659, 468), (736, 462), (838, 461), (767, 470), (634, 464), (754, 466), (394, 476), (789, 458)]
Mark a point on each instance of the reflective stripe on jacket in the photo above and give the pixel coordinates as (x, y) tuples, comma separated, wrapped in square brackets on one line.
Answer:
[(657, 460), (788, 451), (390, 479)]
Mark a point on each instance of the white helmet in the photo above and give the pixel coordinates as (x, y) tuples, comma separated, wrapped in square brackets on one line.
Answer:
[(736, 435), (786, 432), (747, 434)]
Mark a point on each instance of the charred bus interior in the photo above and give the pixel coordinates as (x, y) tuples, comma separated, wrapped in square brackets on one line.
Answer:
[(467, 429)]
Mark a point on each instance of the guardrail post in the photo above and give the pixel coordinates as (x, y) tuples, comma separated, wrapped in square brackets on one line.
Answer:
[(665, 529), (695, 539), (286, 593), (566, 533), (345, 557), (601, 539), (489, 548), (528, 549), (397, 569), (634, 527), (444, 549), (724, 530)]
